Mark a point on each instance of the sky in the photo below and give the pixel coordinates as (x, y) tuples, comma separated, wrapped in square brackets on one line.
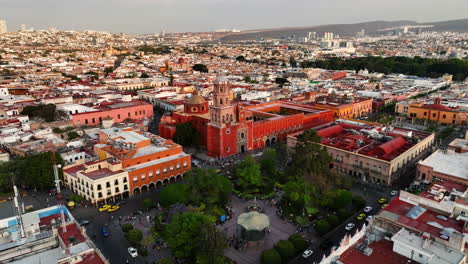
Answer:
[(151, 16)]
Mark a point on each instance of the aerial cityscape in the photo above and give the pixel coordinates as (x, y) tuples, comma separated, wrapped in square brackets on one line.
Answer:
[(240, 132)]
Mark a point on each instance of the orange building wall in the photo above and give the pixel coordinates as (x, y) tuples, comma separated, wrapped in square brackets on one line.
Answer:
[(119, 115)]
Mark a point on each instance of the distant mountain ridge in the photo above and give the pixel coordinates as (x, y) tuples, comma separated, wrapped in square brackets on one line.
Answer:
[(345, 30)]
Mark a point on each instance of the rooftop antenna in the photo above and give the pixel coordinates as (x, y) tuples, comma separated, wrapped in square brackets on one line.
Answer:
[(19, 217), (59, 192)]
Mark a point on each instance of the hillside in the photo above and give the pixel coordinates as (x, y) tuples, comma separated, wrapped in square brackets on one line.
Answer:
[(344, 30)]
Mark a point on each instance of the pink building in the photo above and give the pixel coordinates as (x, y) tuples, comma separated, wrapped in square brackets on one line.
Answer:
[(119, 112)]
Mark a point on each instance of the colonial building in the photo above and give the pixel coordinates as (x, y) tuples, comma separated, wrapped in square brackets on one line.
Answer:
[(227, 127), (439, 113), (371, 152), (130, 162)]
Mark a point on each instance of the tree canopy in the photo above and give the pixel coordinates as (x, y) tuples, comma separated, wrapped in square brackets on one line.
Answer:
[(184, 235), (270, 256), (186, 135), (424, 67), (248, 173), (31, 171), (207, 186), (47, 112), (134, 236), (173, 193), (200, 67)]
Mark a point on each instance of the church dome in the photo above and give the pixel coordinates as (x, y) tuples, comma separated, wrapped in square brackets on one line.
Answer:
[(196, 99)]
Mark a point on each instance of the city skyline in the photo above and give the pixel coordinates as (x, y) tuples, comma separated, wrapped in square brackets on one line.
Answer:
[(148, 16)]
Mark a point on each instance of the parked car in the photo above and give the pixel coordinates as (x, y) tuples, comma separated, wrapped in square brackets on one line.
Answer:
[(105, 231), (367, 209), (384, 205), (369, 218), (393, 193), (307, 253), (84, 222), (133, 252), (360, 216), (350, 226), (104, 207), (113, 208), (382, 200)]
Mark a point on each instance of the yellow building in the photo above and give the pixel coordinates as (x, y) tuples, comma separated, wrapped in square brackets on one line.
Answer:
[(438, 113)]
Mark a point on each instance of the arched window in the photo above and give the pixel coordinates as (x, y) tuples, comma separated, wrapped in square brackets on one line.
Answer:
[(232, 118), (221, 101)]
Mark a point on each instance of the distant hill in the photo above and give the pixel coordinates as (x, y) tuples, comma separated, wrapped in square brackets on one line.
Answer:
[(344, 30)]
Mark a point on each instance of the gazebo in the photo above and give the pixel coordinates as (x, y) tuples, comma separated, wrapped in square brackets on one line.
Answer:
[(253, 225)]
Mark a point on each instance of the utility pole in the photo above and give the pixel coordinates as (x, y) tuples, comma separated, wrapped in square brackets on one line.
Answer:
[(59, 193)]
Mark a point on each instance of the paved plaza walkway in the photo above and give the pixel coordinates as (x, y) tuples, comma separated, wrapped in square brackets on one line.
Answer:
[(279, 230)]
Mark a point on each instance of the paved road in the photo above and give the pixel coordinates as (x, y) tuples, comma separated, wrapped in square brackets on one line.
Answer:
[(372, 195)]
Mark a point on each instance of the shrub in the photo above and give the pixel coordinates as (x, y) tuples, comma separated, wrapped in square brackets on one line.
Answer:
[(270, 256), (298, 242), (286, 249), (322, 226), (134, 236), (333, 220), (72, 135), (343, 214), (127, 227), (143, 251)]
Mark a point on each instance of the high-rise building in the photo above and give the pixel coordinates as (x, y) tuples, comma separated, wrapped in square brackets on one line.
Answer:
[(22, 27), (3, 27), (328, 36)]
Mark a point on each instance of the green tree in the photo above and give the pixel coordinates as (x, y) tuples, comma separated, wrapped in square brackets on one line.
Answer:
[(134, 236), (358, 202), (72, 135), (210, 245), (207, 186), (200, 68), (248, 173), (240, 58), (270, 256), (127, 227), (108, 70), (182, 233), (333, 220), (268, 162), (47, 112), (298, 241), (299, 193), (147, 203), (292, 62), (286, 249), (186, 135), (322, 226), (172, 194)]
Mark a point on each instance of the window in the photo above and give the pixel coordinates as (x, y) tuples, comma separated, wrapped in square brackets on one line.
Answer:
[(228, 149), (434, 115), (124, 180), (125, 187), (425, 113), (150, 174), (164, 170), (99, 194), (107, 184), (135, 178), (178, 166), (94, 120), (185, 164), (444, 116), (117, 189), (136, 113), (158, 172), (128, 114), (118, 116), (99, 187), (454, 115), (116, 182), (172, 168), (143, 176), (109, 192), (228, 131), (86, 121)]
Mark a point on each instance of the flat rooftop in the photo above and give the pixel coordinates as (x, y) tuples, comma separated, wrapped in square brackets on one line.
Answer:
[(382, 252), (448, 162), (417, 218), (437, 191), (373, 140)]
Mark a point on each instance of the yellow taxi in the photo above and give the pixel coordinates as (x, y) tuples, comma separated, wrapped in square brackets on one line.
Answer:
[(113, 208), (384, 205), (104, 208), (360, 216), (382, 200)]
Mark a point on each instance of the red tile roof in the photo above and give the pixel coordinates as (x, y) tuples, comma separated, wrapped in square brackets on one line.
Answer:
[(382, 253)]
